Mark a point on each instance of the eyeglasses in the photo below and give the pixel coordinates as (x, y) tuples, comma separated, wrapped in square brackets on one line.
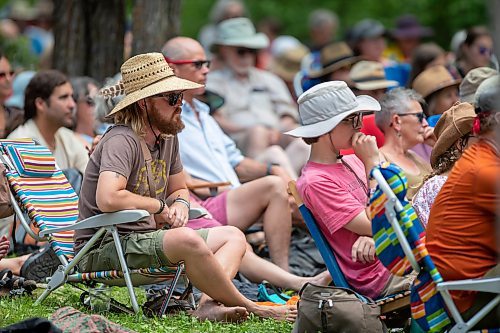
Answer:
[(173, 98), (242, 51), (355, 120), (483, 50), (198, 64), (4, 74), (420, 115)]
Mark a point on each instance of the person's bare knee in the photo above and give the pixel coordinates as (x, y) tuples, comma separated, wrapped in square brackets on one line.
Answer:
[(220, 236), (182, 242), (276, 188)]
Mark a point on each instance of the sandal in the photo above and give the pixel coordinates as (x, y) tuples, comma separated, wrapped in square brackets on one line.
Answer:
[(278, 297), (11, 285)]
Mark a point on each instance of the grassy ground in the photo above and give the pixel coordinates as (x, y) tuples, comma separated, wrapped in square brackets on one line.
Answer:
[(20, 308)]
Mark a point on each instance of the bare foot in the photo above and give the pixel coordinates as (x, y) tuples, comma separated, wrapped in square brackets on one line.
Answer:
[(213, 311), (284, 312), (322, 279)]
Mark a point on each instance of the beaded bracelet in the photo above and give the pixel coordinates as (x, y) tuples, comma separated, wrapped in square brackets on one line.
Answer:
[(162, 206)]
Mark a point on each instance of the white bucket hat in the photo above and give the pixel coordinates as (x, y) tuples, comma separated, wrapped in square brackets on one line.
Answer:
[(240, 32), (323, 107)]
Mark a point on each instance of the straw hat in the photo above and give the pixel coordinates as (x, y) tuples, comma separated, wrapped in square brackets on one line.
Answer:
[(370, 75), (287, 64), (452, 125), (323, 107), (471, 82), (143, 76), (334, 56), (433, 79)]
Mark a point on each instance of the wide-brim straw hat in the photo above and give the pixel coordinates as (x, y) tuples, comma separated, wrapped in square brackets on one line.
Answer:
[(240, 32), (325, 105), (471, 82), (370, 75), (145, 75), (287, 64), (433, 79), (451, 126), (333, 57)]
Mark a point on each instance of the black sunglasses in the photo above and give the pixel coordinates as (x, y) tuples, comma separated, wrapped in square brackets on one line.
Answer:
[(4, 74), (242, 51), (420, 115), (355, 120), (173, 98)]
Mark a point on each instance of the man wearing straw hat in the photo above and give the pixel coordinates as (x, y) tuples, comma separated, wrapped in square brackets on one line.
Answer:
[(136, 165)]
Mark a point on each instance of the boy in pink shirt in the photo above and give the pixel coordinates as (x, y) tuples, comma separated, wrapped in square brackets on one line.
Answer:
[(335, 188)]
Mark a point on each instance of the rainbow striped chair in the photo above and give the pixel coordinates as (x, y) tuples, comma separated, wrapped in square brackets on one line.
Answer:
[(400, 246), (41, 190)]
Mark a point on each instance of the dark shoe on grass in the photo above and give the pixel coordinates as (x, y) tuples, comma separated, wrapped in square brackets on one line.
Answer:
[(40, 265)]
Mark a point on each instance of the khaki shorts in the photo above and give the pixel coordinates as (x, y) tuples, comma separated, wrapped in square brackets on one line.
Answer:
[(140, 250), (398, 284)]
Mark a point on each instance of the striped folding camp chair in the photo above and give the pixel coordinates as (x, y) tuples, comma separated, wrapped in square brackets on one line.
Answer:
[(392, 307), (400, 245), (41, 190)]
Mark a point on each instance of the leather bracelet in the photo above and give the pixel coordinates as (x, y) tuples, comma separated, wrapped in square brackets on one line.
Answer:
[(162, 206), (270, 167), (184, 201)]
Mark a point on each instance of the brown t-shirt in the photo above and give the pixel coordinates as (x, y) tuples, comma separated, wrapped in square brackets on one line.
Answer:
[(120, 151)]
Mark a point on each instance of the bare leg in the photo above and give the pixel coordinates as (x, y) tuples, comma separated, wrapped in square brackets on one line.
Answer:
[(298, 154), (207, 275), (257, 140), (13, 264), (265, 196), (257, 270), (276, 154), (225, 243)]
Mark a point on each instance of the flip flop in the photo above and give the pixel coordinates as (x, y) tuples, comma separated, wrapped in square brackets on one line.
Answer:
[(278, 297)]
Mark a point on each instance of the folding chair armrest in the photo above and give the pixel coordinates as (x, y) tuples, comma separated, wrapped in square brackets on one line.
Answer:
[(488, 285), (196, 213), (207, 185), (103, 220)]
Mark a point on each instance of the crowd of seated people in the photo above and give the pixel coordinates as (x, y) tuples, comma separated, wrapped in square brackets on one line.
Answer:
[(433, 117)]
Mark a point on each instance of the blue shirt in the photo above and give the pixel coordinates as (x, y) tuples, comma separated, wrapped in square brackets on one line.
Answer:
[(207, 153)]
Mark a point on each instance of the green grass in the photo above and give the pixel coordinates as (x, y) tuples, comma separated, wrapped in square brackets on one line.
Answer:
[(20, 308)]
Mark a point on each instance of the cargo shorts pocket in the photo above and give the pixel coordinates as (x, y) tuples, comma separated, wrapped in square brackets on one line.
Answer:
[(141, 250)]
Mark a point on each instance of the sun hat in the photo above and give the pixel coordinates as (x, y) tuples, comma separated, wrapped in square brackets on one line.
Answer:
[(408, 26), (471, 82), (333, 57), (370, 75), (287, 64), (145, 75), (487, 96), (433, 79), (239, 32), (323, 107), (365, 29), (452, 125), (19, 85)]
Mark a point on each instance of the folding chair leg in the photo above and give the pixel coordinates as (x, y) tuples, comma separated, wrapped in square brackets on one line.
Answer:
[(58, 279), (125, 270), (164, 305)]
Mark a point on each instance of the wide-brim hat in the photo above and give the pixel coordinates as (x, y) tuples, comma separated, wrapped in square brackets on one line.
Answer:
[(433, 79), (370, 75), (408, 26), (451, 126), (325, 105), (333, 57), (471, 82), (287, 64), (239, 32), (143, 76)]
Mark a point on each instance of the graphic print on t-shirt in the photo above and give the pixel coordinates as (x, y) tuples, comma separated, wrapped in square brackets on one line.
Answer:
[(159, 168)]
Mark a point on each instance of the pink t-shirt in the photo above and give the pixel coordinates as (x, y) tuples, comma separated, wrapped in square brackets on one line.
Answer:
[(335, 197)]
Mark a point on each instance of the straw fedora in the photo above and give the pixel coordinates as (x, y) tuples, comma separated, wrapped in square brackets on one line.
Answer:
[(332, 57), (370, 75), (471, 82), (433, 79), (143, 76), (323, 107), (239, 32), (287, 64), (452, 125)]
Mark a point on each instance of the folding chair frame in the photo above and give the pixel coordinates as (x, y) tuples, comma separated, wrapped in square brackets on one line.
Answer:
[(491, 285)]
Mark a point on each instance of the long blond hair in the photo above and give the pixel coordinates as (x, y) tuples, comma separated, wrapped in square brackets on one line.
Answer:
[(132, 117)]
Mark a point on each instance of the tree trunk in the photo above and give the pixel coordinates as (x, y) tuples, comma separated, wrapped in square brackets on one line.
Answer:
[(154, 22), (89, 37)]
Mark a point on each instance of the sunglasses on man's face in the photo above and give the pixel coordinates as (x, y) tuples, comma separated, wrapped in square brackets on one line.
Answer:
[(172, 98), (420, 115), (355, 120), (5, 74), (198, 64), (243, 51)]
